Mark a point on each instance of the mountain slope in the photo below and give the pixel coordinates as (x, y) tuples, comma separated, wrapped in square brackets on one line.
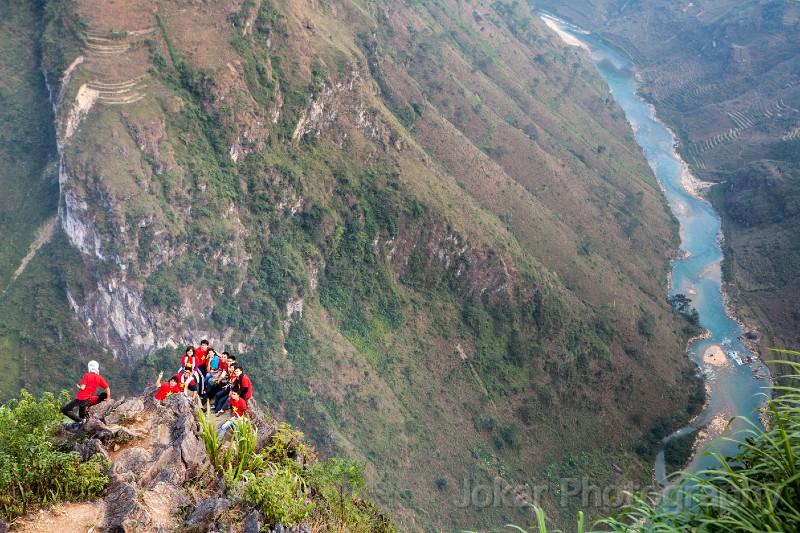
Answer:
[(425, 228)]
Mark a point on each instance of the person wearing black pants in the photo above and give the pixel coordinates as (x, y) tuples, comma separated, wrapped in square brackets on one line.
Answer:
[(90, 382)]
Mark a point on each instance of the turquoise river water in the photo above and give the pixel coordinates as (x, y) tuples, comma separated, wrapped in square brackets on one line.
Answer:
[(734, 389)]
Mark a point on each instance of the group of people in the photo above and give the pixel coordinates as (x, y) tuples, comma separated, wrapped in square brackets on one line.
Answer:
[(213, 379)]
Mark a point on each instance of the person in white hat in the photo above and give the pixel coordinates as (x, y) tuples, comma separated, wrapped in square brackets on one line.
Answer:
[(90, 382)]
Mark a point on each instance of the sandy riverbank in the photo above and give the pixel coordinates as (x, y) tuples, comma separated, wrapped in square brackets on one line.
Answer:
[(715, 356), (691, 184), (715, 427), (566, 37)]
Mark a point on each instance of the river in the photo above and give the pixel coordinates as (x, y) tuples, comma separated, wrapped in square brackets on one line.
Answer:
[(734, 388)]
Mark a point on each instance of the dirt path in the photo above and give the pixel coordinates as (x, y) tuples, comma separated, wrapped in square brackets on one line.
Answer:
[(44, 236), (477, 377), (71, 517)]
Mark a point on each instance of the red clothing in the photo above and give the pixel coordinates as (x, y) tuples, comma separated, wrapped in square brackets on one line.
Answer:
[(245, 387), (184, 381), (201, 354), (190, 360), (166, 389), (91, 382), (222, 366), (238, 408)]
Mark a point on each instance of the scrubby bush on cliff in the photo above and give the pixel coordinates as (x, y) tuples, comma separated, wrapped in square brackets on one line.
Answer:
[(280, 494), (33, 470), (285, 482)]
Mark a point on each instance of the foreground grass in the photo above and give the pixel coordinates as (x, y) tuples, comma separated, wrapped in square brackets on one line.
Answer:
[(287, 484), (757, 490)]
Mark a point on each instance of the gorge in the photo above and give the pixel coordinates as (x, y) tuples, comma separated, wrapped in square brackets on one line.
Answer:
[(425, 227), (736, 389)]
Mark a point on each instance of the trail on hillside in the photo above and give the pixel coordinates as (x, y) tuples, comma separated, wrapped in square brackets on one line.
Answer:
[(42, 237), (66, 517), (475, 374)]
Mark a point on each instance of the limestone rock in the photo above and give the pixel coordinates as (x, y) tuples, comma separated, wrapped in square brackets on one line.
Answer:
[(126, 412), (193, 450), (123, 511), (252, 523), (207, 511), (165, 501), (90, 448), (135, 459), (152, 456)]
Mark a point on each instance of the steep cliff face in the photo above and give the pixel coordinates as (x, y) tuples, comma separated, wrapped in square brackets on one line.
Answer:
[(424, 227), (111, 161)]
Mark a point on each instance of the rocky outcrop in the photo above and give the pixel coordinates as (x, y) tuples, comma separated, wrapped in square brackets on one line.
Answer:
[(155, 451), (430, 253)]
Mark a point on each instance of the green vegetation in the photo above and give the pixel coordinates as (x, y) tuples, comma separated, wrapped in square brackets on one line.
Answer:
[(756, 490), (34, 470), (680, 302), (27, 142), (286, 483), (280, 494), (679, 450)]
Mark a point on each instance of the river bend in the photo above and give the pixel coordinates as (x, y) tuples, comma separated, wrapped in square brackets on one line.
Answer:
[(736, 388)]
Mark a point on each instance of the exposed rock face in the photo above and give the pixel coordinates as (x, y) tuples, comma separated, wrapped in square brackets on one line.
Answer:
[(155, 450), (436, 251), (116, 316)]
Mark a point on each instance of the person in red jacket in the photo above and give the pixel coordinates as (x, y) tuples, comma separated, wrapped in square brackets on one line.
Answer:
[(186, 381), (243, 383), (238, 411), (167, 388), (201, 356), (235, 382), (90, 382)]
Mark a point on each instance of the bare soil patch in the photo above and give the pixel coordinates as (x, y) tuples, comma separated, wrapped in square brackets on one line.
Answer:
[(201, 32), (118, 15), (72, 517)]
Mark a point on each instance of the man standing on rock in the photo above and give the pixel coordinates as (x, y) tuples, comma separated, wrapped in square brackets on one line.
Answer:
[(86, 388)]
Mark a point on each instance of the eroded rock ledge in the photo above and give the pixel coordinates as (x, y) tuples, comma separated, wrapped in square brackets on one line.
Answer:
[(155, 451)]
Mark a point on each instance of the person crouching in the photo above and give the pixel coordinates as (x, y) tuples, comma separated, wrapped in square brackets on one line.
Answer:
[(238, 411), (91, 381)]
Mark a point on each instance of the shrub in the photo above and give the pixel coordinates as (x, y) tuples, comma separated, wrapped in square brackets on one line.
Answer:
[(33, 471), (288, 443), (280, 494), (340, 481)]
